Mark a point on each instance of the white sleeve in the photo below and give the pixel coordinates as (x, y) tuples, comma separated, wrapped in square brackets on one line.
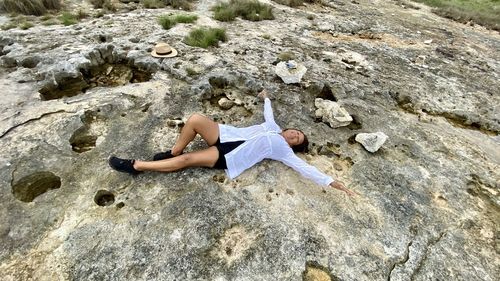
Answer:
[(268, 111), (306, 170)]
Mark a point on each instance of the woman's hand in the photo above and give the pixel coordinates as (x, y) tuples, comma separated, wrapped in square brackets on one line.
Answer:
[(340, 186), (263, 94)]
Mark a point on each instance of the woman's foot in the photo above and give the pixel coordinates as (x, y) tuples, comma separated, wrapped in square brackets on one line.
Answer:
[(123, 165)]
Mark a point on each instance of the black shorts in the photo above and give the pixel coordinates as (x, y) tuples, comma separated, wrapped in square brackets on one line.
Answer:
[(224, 148)]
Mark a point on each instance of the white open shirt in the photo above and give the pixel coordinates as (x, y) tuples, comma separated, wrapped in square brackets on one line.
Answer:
[(264, 141)]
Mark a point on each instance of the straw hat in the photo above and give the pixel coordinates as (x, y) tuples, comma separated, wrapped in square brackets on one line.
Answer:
[(163, 50)]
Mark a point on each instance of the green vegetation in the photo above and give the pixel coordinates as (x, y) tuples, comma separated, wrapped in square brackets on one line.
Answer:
[(205, 37), (26, 25), (68, 18), (168, 22), (286, 56), (266, 36), (483, 12), (191, 72), (9, 25), (29, 7), (185, 18), (251, 10), (153, 4), (296, 3)]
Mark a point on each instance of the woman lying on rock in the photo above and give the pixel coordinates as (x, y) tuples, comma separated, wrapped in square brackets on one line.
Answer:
[(233, 149)]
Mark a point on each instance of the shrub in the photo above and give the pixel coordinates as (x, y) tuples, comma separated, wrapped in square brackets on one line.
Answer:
[(68, 18), (153, 4), (166, 22), (205, 37), (30, 7), (224, 12), (251, 10)]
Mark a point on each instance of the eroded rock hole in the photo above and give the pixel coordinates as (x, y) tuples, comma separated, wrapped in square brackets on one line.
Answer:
[(31, 186), (104, 198), (317, 272), (355, 124), (105, 75), (82, 141), (326, 93)]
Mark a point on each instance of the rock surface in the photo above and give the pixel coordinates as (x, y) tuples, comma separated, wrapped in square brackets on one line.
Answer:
[(371, 141), (428, 204)]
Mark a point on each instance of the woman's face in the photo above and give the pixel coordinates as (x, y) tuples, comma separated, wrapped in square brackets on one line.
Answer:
[(293, 137)]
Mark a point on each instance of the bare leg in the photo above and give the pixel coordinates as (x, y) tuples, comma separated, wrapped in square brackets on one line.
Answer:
[(196, 124), (202, 158)]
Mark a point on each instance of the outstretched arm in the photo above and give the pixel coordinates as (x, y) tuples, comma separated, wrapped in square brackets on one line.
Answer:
[(268, 110), (340, 186), (311, 172)]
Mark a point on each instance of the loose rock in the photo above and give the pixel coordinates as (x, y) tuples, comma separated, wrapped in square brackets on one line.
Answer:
[(330, 112), (371, 141), (290, 72)]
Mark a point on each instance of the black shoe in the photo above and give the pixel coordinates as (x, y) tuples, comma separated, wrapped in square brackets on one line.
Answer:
[(123, 165), (163, 155)]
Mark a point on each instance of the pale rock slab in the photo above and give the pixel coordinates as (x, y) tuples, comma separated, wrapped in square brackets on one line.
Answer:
[(290, 75), (371, 141), (332, 113)]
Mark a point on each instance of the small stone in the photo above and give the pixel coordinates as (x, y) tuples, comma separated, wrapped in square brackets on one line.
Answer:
[(270, 190), (371, 141), (174, 123), (290, 72), (225, 103), (268, 197), (330, 112), (427, 42), (290, 191)]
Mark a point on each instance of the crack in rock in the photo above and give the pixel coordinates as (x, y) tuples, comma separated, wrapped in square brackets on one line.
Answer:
[(30, 120), (402, 260), (428, 247)]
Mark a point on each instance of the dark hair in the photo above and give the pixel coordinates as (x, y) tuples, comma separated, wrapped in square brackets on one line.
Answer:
[(302, 147)]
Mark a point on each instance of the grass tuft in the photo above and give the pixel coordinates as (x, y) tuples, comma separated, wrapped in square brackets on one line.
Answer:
[(166, 22), (205, 37), (251, 10), (26, 25), (169, 21), (29, 7), (185, 18), (68, 18)]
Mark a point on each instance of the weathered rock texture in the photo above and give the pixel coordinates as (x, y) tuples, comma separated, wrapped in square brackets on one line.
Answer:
[(428, 205)]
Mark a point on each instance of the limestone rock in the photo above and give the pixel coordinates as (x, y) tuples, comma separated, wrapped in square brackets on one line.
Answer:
[(290, 72), (332, 113), (371, 141), (225, 103)]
